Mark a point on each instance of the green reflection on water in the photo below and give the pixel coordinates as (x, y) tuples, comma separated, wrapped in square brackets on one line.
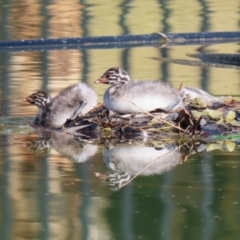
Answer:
[(47, 195)]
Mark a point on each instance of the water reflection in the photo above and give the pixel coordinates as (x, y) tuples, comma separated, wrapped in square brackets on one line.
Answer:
[(207, 61), (129, 161), (65, 144), (55, 197)]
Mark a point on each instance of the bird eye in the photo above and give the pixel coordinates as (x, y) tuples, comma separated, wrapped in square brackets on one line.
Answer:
[(34, 97), (107, 76)]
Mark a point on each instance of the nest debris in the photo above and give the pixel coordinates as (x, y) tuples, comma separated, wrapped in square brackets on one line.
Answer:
[(197, 119)]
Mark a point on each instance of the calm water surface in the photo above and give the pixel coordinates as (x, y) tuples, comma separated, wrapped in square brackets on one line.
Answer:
[(54, 187)]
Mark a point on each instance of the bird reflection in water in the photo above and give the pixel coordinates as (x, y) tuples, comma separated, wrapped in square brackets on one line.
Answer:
[(129, 161), (63, 143)]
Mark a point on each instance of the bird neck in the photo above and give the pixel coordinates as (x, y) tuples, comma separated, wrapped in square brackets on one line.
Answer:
[(115, 87)]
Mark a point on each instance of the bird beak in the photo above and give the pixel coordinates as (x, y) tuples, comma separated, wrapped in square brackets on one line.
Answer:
[(102, 80), (28, 99)]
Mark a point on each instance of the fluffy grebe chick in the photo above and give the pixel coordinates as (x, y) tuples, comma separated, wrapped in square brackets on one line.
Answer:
[(70, 102), (127, 96)]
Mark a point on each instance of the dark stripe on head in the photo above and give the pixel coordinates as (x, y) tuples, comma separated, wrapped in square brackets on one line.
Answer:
[(40, 99), (115, 76)]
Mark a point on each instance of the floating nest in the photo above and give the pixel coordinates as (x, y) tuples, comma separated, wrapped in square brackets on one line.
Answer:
[(198, 119)]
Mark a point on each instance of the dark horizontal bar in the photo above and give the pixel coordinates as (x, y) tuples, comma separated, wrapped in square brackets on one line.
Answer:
[(124, 41), (203, 36), (101, 41), (228, 59)]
